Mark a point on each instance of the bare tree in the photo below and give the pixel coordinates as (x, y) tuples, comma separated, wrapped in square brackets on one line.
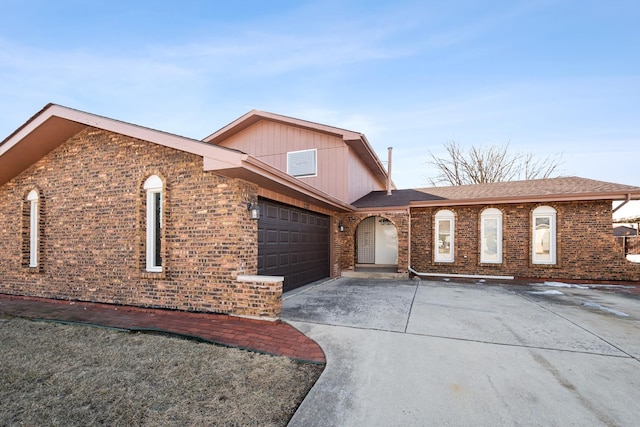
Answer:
[(479, 165)]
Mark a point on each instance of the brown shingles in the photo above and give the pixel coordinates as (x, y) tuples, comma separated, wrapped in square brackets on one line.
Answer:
[(537, 187), (550, 187)]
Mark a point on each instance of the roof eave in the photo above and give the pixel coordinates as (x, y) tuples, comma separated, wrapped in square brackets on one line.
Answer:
[(357, 141), (547, 198), (267, 177), (55, 124), (361, 146)]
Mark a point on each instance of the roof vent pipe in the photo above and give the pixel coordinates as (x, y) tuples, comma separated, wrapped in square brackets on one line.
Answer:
[(389, 172)]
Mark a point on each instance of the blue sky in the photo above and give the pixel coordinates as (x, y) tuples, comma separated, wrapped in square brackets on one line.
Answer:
[(544, 76)]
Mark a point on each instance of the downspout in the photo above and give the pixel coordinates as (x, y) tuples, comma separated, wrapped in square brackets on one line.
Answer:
[(409, 239), (390, 149), (626, 200)]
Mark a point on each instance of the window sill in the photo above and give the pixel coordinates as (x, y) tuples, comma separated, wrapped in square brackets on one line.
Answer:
[(158, 275)]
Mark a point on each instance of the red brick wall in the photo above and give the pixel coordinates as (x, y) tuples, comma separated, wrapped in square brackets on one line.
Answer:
[(586, 248), (93, 227)]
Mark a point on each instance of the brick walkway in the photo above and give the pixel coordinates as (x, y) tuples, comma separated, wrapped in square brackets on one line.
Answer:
[(257, 335)]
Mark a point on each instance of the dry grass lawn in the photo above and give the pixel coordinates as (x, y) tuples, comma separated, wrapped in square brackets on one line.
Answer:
[(60, 374)]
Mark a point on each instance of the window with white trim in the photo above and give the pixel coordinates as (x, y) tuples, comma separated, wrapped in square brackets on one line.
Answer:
[(33, 199), (491, 236), (303, 163), (444, 236), (543, 235), (154, 188)]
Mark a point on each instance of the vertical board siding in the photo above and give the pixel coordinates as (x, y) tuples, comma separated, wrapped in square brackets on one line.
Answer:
[(270, 142), (361, 179)]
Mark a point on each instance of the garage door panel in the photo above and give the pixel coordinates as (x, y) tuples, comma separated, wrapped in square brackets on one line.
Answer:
[(271, 212), (293, 243), (271, 261), (272, 236)]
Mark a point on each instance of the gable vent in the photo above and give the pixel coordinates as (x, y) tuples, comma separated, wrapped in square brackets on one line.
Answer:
[(302, 163)]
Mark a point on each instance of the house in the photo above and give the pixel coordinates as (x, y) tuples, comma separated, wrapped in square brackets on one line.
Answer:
[(96, 209), (624, 230)]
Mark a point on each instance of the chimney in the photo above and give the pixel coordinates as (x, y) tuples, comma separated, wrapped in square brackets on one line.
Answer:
[(389, 172)]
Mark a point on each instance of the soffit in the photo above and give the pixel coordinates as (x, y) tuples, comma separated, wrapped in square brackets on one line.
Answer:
[(55, 124), (270, 178)]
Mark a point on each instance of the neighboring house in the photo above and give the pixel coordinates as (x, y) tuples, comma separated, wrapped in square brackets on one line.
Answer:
[(624, 230), (101, 210)]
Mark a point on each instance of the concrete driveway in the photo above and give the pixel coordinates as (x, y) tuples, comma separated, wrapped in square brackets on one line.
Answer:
[(415, 353)]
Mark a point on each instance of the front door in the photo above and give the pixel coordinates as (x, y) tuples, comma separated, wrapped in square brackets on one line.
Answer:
[(366, 237)]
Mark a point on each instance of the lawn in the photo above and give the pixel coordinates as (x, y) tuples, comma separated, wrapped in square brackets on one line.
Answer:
[(63, 374)]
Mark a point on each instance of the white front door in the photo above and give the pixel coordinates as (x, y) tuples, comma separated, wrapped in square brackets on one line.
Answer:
[(386, 242), (377, 240)]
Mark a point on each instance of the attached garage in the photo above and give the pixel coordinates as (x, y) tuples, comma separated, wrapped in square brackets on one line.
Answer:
[(293, 243)]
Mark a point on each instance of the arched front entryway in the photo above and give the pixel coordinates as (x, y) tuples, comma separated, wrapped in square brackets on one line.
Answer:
[(376, 243)]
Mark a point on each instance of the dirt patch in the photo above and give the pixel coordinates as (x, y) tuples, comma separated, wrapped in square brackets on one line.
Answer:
[(59, 374)]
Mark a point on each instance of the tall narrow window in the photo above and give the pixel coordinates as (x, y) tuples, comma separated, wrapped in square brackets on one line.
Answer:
[(491, 236), (544, 235), (444, 236), (153, 185), (33, 198)]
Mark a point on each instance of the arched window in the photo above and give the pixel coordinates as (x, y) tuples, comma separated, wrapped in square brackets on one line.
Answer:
[(543, 235), (154, 187), (444, 236), (34, 223), (491, 236)]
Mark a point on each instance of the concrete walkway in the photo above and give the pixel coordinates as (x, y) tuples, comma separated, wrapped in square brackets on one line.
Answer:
[(416, 353)]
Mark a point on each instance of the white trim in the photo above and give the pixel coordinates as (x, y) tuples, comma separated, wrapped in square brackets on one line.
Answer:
[(491, 214), (461, 276), (444, 215), (542, 212), (33, 228), (259, 279), (153, 185)]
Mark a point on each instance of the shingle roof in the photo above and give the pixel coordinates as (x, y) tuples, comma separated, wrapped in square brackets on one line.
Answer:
[(565, 188), (379, 199), (535, 187)]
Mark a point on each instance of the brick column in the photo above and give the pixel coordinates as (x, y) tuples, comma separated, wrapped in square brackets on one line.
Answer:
[(256, 297)]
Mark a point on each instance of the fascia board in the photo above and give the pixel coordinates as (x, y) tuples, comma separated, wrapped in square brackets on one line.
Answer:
[(254, 165), (548, 198)]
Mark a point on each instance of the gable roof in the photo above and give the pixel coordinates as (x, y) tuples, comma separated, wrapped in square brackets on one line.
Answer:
[(356, 141), (539, 190), (55, 124)]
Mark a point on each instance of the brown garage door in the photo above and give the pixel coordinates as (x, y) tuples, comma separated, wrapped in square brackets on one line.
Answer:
[(293, 243)]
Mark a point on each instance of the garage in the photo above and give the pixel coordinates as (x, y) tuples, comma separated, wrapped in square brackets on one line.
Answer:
[(293, 243)]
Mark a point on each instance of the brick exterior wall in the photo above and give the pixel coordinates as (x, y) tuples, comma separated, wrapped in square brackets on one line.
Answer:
[(586, 248), (92, 229)]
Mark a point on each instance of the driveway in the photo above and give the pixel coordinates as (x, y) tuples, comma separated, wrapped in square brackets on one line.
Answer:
[(415, 353)]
